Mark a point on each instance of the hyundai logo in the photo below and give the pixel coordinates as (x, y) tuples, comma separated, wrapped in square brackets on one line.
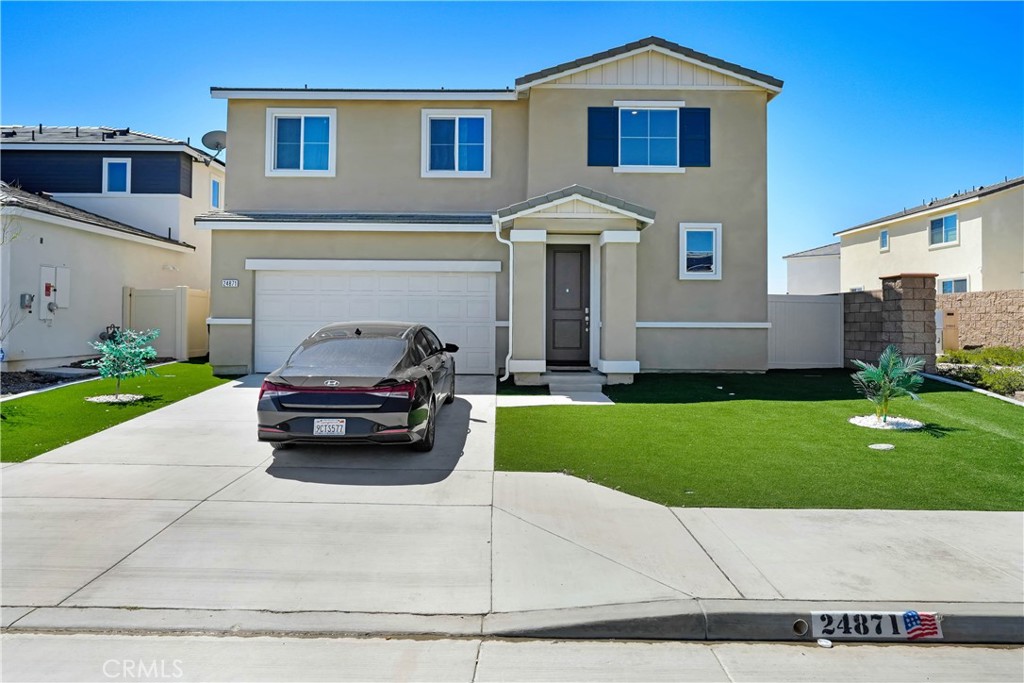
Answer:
[(331, 382)]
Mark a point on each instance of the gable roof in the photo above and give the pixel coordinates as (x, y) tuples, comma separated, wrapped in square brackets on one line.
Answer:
[(741, 72), (956, 198), (615, 204), (86, 137), (16, 198), (827, 250)]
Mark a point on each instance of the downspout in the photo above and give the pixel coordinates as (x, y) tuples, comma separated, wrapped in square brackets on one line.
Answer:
[(511, 273)]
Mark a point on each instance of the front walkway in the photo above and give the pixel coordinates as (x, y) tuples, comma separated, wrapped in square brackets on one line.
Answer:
[(180, 520)]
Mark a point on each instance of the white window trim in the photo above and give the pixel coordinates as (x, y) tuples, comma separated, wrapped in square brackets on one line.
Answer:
[(857, 289), (649, 106), (220, 194), (716, 274), (271, 147), (426, 115), (888, 237), (939, 281), (128, 175), (942, 245)]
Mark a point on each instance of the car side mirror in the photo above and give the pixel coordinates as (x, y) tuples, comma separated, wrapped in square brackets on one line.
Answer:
[(451, 348)]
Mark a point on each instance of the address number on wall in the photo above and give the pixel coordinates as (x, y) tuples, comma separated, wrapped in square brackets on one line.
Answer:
[(229, 283)]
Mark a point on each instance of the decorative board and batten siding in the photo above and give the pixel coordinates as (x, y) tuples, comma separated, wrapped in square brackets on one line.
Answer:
[(649, 69), (806, 331)]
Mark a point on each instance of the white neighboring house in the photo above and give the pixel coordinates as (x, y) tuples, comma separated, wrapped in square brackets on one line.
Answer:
[(973, 241), (62, 274), (814, 271)]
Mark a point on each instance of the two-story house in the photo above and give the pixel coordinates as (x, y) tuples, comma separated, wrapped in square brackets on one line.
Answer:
[(607, 213), (90, 212), (973, 241)]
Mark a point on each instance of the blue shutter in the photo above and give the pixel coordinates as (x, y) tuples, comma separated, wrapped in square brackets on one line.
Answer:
[(694, 137), (603, 136)]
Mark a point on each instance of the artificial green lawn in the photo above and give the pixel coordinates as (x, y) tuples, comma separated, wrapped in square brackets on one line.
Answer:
[(41, 422), (783, 441)]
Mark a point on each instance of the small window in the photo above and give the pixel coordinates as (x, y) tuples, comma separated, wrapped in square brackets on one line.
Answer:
[(953, 285), (117, 176), (943, 231), (215, 193), (300, 142), (700, 251), (456, 143), (648, 137), (856, 289), (883, 240)]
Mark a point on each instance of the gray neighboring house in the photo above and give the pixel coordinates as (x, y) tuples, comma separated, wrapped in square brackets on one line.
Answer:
[(814, 271)]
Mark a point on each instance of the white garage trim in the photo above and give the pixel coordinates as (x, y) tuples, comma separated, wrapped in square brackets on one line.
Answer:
[(361, 265), (229, 321), (704, 326)]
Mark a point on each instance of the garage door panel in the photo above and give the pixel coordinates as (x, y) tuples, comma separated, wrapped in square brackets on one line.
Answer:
[(459, 307)]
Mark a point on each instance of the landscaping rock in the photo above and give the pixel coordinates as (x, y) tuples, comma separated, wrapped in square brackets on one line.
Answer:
[(872, 422)]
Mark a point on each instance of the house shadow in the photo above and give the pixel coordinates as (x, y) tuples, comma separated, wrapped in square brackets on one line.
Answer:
[(380, 465)]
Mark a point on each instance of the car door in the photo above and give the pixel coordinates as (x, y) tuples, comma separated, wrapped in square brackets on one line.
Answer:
[(432, 361), (447, 370)]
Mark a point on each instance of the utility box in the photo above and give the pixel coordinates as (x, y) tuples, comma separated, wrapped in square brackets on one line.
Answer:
[(950, 331)]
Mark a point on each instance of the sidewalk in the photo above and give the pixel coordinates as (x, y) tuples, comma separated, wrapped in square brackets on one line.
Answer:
[(179, 521)]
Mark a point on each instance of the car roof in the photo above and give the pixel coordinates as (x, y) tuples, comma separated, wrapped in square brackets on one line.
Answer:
[(370, 329)]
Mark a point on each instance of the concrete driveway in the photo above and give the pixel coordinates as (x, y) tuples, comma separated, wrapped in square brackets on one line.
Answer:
[(181, 520)]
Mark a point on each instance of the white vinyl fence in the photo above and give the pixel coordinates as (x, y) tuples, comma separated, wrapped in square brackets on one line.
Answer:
[(180, 315), (806, 331)]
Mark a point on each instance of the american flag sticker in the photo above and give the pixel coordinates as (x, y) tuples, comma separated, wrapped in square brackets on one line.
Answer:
[(922, 625)]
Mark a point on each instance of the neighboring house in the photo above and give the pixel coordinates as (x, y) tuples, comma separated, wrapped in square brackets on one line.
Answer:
[(157, 184), (606, 213), (973, 241), (815, 271), (62, 274)]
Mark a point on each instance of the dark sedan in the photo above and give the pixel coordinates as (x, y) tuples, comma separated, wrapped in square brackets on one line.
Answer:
[(370, 382)]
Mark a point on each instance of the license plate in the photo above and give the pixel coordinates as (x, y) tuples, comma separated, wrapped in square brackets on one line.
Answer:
[(333, 427), (909, 625)]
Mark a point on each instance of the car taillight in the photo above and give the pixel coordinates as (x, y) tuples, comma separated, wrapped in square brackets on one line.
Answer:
[(406, 390), (271, 390)]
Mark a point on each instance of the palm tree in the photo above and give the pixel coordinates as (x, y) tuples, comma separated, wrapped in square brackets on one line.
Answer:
[(895, 376)]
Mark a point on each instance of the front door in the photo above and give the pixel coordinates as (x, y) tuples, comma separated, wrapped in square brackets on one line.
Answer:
[(568, 304)]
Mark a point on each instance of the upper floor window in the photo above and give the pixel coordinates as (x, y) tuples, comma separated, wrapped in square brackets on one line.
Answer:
[(953, 285), (700, 255), (641, 136), (944, 230), (215, 193), (883, 240), (300, 142), (117, 176), (455, 143)]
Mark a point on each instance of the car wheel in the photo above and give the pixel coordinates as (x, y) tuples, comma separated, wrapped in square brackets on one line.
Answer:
[(280, 445), (450, 398), (427, 442)]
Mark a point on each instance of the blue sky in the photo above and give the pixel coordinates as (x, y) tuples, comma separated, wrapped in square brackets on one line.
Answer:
[(885, 104)]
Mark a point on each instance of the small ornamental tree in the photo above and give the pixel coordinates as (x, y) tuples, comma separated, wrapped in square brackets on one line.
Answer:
[(124, 355), (893, 377)]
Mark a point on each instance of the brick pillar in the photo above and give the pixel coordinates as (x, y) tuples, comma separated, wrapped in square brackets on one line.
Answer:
[(908, 315)]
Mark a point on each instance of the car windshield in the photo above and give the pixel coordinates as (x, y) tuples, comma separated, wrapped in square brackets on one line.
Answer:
[(349, 356)]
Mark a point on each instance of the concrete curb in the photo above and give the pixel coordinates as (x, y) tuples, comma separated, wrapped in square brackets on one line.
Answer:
[(697, 620), (977, 390)]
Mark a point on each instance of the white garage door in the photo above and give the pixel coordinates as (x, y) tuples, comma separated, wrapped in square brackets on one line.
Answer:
[(459, 307)]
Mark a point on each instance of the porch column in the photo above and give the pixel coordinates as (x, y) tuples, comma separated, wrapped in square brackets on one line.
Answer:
[(527, 321), (618, 305)]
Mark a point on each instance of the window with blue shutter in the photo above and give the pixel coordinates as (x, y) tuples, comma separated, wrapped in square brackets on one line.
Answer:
[(694, 137), (603, 136)]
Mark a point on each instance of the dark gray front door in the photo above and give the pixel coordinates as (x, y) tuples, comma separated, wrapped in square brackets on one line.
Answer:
[(568, 305)]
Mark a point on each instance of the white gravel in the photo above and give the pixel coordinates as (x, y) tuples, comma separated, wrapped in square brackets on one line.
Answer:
[(110, 398), (872, 422)]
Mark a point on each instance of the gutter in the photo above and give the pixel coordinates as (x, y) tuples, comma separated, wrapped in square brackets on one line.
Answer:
[(511, 275)]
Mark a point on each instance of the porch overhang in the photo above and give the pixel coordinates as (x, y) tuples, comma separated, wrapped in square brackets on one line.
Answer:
[(576, 202)]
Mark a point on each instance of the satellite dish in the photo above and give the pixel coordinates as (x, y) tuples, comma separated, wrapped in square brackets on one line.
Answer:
[(215, 140)]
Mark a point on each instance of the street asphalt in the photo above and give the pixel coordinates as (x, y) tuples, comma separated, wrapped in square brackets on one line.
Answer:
[(180, 521)]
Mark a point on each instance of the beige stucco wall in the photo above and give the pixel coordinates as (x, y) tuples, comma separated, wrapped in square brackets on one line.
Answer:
[(618, 301), (377, 161), (812, 275), (990, 252), (529, 305), (100, 266)]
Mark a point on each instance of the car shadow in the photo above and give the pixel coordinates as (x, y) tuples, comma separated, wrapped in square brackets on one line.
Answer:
[(371, 465)]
